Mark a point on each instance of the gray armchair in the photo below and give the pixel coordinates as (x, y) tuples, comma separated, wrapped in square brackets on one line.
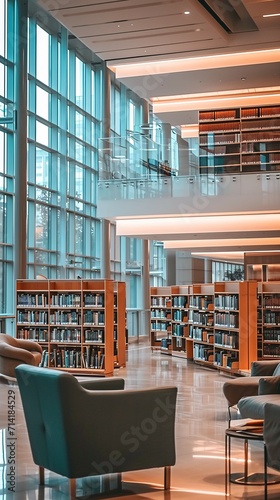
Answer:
[(95, 427), (236, 388)]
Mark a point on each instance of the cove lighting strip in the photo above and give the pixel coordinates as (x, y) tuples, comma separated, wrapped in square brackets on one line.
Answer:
[(196, 63), (219, 243), (198, 224)]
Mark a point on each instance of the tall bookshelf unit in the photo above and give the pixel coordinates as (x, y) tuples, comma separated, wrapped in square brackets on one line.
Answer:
[(181, 342), (201, 322), (268, 320), (161, 318), (239, 140), (214, 324), (73, 320), (235, 324), (119, 324)]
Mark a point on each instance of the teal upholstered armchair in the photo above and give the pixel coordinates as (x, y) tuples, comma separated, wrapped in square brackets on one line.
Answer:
[(79, 429)]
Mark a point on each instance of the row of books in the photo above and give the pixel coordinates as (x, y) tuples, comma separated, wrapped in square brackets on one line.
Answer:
[(201, 318), (179, 301), (271, 350), (203, 352), (226, 319), (96, 335), (226, 359), (230, 126), (226, 302), (94, 317), (227, 339), (180, 315), (179, 342), (36, 334), (94, 299), (66, 299), (40, 317), (271, 301), (179, 330), (271, 317), (274, 337), (32, 299), (158, 313), (65, 335), (268, 124), (228, 114), (202, 303), (161, 301), (159, 326), (210, 140), (65, 317), (91, 358)]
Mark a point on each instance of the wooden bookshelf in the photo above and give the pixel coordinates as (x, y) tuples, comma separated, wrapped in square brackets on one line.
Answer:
[(161, 319), (181, 344), (119, 324), (214, 324), (235, 327), (201, 322), (73, 320), (268, 320), (240, 140)]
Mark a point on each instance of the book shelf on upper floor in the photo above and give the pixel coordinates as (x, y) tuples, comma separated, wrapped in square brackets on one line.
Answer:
[(80, 324), (239, 140)]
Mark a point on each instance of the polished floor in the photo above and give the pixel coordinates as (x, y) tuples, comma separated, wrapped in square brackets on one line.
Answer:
[(201, 421)]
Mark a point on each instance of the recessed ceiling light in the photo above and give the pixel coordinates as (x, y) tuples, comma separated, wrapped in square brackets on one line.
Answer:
[(186, 12), (243, 79)]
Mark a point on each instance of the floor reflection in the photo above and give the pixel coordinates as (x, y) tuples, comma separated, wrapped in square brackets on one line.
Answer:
[(200, 428)]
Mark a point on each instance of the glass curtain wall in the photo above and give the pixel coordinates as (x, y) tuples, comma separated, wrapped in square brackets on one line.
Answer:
[(7, 185), (63, 238), (64, 116)]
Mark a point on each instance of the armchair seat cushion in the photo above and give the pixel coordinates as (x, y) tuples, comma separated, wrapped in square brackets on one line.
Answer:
[(253, 406)]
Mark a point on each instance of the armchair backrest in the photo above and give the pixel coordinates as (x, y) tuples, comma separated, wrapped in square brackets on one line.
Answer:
[(78, 432)]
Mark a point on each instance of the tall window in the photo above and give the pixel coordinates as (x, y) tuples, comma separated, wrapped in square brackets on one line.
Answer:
[(6, 156), (63, 231)]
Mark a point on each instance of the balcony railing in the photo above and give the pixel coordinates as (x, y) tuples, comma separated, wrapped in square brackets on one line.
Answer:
[(258, 184)]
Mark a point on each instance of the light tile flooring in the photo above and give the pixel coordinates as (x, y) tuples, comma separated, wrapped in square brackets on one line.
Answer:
[(200, 429)]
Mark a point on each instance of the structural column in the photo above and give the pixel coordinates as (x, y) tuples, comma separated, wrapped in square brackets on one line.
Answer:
[(166, 139), (20, 141), (146, 301), (104, 171), (105, 259)]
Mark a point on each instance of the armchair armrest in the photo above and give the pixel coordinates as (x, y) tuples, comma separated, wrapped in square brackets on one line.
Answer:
[(102, 384), (17, 353), (29, 345), (271, 434), (263, 368), (270, 385)]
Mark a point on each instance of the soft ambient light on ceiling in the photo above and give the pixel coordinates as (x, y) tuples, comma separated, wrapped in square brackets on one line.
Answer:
[(195, 63), (197, 224), (219, 243)]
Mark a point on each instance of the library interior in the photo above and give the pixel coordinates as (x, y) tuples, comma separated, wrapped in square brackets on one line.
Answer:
[(140, 249)]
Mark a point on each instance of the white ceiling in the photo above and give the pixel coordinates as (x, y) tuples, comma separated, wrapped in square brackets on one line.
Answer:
[(129, 32), (141, 41)]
